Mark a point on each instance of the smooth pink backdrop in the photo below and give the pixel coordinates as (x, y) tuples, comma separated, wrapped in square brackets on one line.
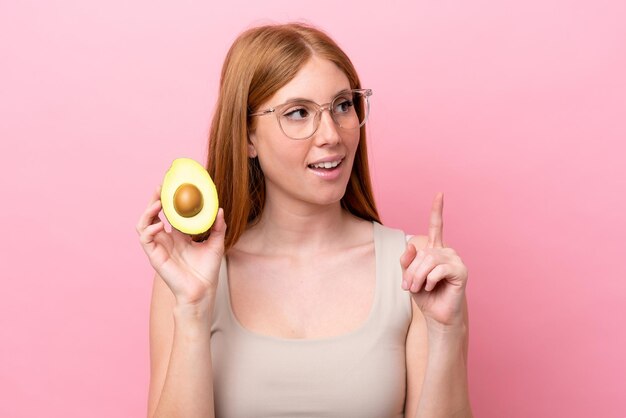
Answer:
[(516, 110)]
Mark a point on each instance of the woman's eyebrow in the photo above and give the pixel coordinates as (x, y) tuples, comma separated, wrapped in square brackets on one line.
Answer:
[(299, 99)]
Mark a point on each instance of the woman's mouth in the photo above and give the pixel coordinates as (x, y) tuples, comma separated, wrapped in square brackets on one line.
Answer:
[(326, 165), (328, 170)]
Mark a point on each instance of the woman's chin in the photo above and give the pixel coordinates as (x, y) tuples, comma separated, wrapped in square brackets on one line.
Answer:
[(328, 199)]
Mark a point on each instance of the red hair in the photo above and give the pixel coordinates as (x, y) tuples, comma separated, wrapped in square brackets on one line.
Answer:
[(261, 61)]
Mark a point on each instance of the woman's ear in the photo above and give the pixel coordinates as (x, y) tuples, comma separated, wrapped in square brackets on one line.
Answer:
[(251, 148)]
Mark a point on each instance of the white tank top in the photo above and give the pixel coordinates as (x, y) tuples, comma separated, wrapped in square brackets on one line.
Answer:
[(359, 374)]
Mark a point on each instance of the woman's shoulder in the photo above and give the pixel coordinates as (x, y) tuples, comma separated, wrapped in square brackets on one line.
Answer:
[(420, 241)]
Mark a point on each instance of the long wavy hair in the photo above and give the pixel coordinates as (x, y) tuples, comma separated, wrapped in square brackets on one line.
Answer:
[(261, 61)]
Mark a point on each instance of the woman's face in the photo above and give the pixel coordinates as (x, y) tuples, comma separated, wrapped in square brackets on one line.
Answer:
[(286, 163)]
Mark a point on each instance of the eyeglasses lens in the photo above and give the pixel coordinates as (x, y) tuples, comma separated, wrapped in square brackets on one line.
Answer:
[(301, 119)]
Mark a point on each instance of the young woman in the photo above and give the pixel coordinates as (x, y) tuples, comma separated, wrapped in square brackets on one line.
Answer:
[(306, 305)]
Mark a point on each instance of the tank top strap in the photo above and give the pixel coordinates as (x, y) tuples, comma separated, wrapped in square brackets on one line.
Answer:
[(390, 244), (221, 317)]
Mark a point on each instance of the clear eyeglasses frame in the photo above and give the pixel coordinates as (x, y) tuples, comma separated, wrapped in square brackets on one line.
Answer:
[(349, 110)]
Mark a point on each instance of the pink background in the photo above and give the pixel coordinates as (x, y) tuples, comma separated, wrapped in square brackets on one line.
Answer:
[(515, 109)]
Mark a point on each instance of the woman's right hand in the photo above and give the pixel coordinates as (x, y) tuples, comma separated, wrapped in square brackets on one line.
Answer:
[(189, 268)]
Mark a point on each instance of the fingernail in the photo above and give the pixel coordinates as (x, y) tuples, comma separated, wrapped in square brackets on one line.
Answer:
[(404, 285)]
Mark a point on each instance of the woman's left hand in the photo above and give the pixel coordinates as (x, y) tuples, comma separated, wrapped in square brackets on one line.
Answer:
[(435, 275)]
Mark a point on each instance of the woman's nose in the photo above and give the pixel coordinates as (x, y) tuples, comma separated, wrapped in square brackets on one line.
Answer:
[(327, 131)]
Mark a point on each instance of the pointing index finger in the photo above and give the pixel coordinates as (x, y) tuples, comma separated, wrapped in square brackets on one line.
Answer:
[(435, 227)]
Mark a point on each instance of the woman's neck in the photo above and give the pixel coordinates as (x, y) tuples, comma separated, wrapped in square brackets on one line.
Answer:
[(299, 229)]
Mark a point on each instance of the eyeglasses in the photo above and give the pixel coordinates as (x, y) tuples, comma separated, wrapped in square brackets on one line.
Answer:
[(299, 119)]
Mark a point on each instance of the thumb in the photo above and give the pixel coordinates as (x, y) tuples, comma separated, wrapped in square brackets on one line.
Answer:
[(408, 256), (215, 234), (218, 230)]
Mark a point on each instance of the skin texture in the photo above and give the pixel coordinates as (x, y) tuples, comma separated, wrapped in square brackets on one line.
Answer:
[(302, 223)]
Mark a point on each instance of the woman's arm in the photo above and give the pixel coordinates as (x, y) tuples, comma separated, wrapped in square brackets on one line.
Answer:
[(183, 295), (435, 384), (436, 359), (181, 383), (445, 391)]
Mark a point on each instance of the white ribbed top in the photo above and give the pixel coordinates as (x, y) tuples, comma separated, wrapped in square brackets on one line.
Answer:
[(358, 374)]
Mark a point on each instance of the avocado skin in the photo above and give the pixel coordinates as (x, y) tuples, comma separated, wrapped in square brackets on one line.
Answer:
[(201, 237)]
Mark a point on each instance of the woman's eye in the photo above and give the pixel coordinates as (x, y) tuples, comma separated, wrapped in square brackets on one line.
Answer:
[(343, 106), (297, 114)]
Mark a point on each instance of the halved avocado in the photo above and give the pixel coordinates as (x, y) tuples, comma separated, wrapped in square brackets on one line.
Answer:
[(189, 198)]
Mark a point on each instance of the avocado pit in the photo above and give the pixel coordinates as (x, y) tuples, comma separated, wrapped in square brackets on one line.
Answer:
[(188, 200)]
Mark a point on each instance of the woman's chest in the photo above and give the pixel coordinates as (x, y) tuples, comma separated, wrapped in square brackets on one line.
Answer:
[(304, 298)]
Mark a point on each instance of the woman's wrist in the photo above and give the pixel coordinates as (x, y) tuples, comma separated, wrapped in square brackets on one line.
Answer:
[(197, 308), (192, 323), (193, 314), (440, 331)]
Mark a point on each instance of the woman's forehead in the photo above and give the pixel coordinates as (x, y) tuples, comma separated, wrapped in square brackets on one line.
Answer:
[(318, 80)]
